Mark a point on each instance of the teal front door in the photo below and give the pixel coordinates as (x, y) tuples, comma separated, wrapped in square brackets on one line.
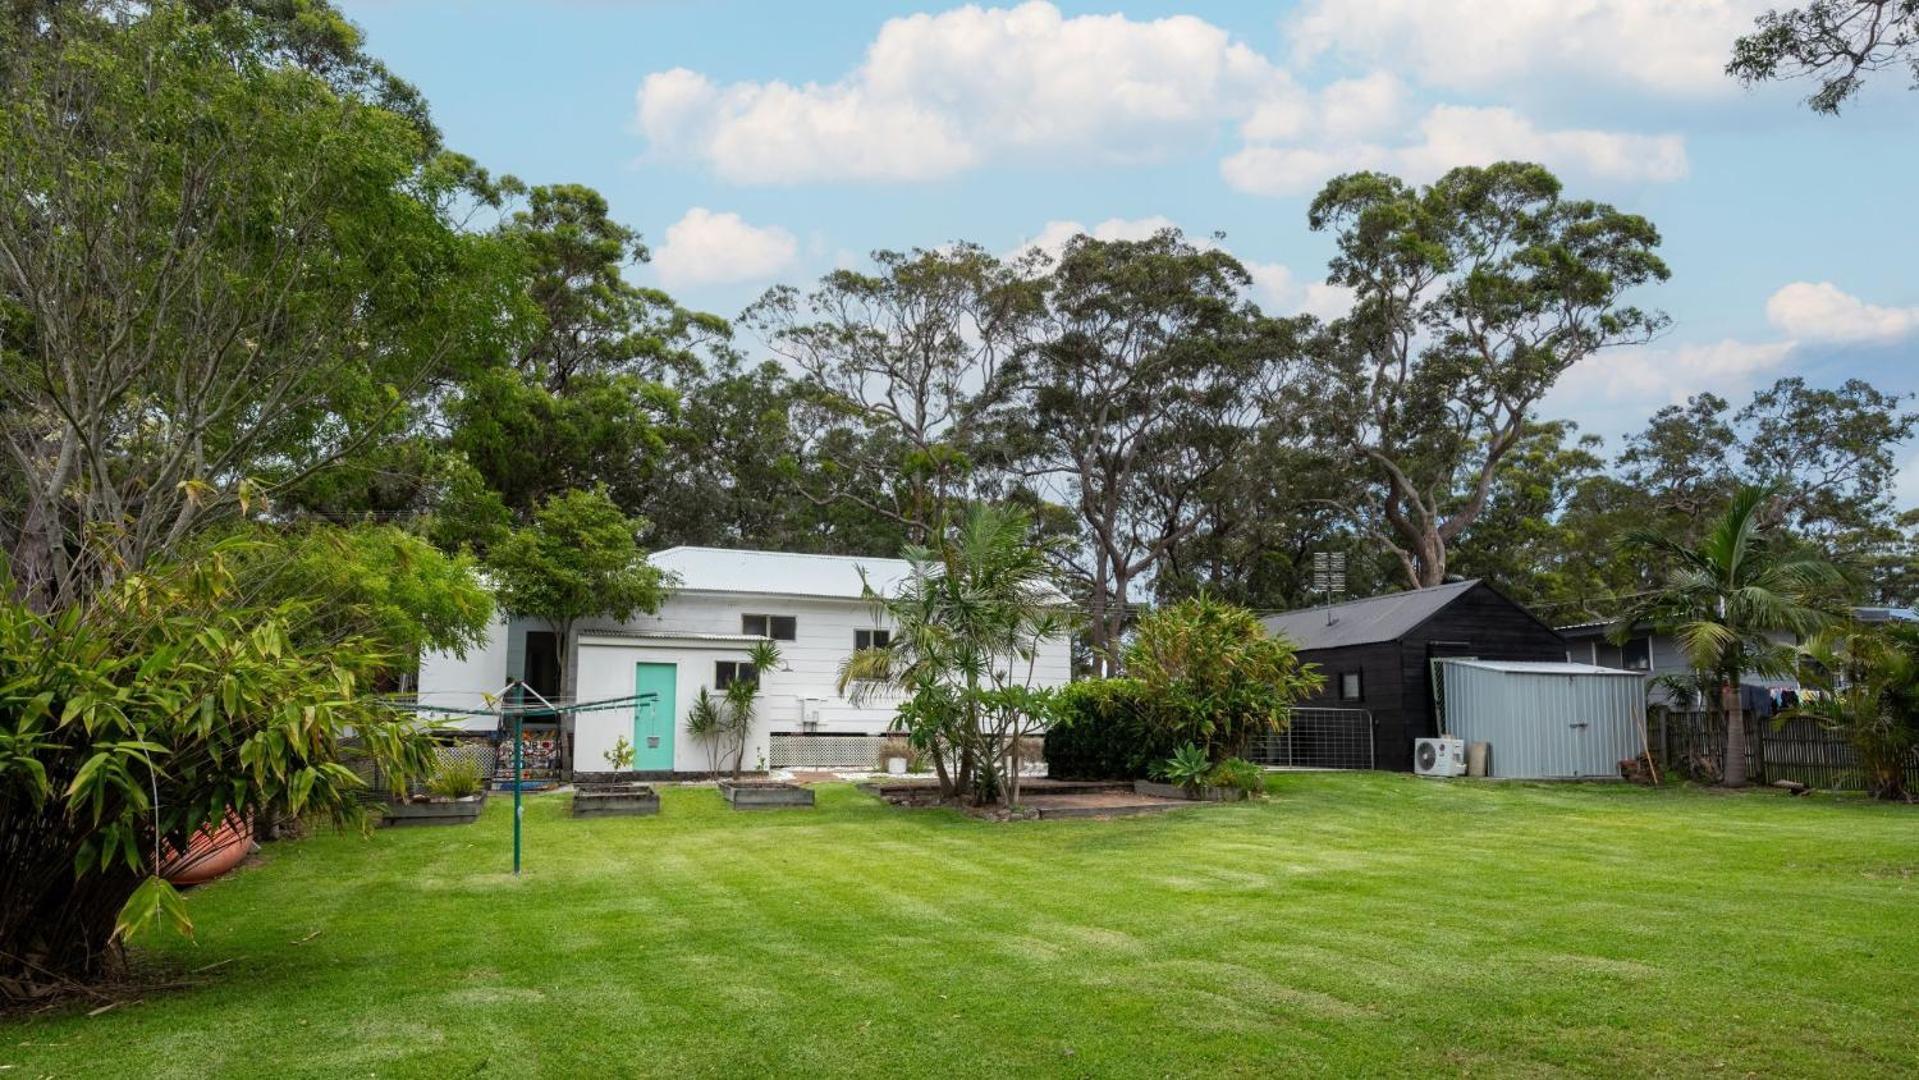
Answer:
[(653, 717)]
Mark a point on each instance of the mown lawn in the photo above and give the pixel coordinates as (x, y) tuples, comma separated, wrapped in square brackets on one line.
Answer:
[(1349, 924)]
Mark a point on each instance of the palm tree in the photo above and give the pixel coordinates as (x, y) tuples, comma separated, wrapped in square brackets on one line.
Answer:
[(1869, 680), (1727, 599), (967, 623)]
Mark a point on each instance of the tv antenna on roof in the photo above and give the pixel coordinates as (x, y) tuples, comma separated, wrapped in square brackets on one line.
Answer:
[(1329, 578)]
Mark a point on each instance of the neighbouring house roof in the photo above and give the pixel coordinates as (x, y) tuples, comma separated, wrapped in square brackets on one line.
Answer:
[(776, 573), (1365, 622), (1543, 667), (1602, 627)]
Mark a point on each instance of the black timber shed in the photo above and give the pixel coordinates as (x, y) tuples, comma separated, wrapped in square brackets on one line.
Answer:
[(1377, 653)]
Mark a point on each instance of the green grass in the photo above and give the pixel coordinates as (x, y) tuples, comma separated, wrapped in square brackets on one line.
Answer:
[(1349, 924)]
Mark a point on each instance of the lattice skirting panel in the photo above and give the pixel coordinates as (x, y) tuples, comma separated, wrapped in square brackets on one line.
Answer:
[(790, 751)]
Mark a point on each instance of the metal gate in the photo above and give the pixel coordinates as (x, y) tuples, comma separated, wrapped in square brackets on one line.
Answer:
[(1319, 739)]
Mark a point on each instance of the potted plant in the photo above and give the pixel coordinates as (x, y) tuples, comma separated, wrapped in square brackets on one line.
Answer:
[(895, 755), (454, 795), (617, 797)]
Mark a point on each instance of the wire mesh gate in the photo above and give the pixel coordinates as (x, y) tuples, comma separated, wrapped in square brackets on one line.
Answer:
[(1318, 739)]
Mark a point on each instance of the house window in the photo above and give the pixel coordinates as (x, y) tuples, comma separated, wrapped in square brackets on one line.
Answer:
[(728, 672), (872, 639), (1636, 655), (1350, 688), (777, 627)]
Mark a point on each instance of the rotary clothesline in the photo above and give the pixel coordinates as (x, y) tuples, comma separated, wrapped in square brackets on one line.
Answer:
[(519, 713), (503, 710)]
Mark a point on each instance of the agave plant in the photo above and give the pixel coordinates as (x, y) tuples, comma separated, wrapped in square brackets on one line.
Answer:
[(1188, 767)]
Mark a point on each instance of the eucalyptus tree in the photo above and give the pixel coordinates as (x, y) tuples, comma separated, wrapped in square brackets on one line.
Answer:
[(1684, 460), (1730, 599), (1140, 385), (1836, 43), (1471, 297), (896, 363), (1832, 452), (234, 275)]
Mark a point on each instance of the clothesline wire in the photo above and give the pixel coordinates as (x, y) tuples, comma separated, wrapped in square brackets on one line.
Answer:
[(523, 709)]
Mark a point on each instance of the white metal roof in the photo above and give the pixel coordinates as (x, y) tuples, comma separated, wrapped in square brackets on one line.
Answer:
[(776, 573), (670, 635), (1542, 667)]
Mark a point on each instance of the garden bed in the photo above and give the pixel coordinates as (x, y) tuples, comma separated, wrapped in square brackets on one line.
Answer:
[(1193, 794), (615, 800), (764, 794), (426, 810)]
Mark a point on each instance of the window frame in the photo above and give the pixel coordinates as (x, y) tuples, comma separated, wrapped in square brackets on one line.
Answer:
[(735, 671), (1358, 684), (770, 625), (1626, 651), (876, 638)]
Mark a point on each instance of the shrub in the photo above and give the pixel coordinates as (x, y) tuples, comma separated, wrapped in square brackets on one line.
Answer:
[(170, 682), (456, 777), (620, 758), (1104, 729), (1238, 773), (1215, 677)]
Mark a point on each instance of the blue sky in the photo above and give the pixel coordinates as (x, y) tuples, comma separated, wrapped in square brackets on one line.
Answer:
[(760, 143)]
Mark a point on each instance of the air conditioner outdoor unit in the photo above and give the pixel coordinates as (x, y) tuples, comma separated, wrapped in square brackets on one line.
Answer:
[(1443, 756)]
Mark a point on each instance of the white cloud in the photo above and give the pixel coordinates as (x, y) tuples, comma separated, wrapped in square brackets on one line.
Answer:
[(1453, 135), (1280, 291), (1664, 375), (705, 248), (1053, 235), (1662, 46), (1824, 314), (940, 93)]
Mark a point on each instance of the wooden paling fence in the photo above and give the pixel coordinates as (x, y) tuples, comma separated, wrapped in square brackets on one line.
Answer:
[(1799, 750)]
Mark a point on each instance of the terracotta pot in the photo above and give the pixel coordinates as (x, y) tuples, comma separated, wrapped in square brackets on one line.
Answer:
[(212, 852)]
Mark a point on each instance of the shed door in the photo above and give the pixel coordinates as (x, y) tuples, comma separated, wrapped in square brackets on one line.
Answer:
[(653, 717)]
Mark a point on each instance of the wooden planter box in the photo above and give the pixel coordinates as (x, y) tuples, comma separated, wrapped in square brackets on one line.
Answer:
[(1174, 791), (764, 794), (615, 800), (438, 812)]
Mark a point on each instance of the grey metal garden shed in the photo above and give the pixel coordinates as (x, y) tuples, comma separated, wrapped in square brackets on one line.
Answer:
[(1543, 720)]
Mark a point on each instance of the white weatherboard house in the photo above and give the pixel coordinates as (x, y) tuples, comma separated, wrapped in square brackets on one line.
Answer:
[(722, 602)]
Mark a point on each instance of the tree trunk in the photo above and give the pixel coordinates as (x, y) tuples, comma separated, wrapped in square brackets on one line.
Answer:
[(1734, 773), (939, 769)]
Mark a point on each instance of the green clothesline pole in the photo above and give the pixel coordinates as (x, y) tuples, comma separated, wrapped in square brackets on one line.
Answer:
[(519, 732)]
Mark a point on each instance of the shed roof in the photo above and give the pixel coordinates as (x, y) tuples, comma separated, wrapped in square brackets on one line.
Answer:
[(1365, 622), (1542, 667), (777, 573)]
